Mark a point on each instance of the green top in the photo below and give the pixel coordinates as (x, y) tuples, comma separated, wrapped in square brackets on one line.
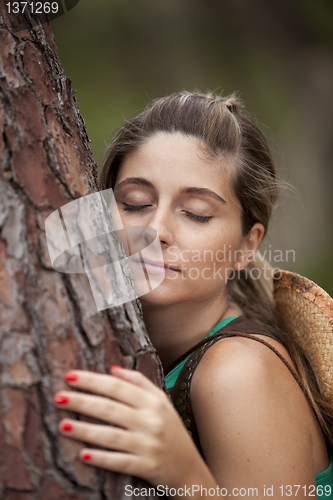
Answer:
[(324, 479)]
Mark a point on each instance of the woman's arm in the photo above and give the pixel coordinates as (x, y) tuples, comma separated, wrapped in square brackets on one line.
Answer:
[(253, 420)]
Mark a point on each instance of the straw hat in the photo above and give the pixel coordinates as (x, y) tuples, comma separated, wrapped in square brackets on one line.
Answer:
[(307, 312)]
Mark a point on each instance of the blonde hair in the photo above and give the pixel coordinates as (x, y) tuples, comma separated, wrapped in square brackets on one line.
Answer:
[(224, 129)]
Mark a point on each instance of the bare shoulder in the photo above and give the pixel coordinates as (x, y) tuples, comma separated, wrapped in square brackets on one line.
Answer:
[(232, 352), (251, 414), (238, 364), (244, 360)]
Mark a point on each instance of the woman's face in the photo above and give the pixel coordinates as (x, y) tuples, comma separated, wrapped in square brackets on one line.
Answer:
[(171, 186)]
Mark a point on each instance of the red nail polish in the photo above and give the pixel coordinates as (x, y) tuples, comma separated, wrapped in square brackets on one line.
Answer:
[(60, 400), (66, 426), (86, 456), (116, 366), (70, 376)]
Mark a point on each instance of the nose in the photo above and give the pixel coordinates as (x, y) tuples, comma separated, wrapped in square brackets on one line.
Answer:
[(161, 222)]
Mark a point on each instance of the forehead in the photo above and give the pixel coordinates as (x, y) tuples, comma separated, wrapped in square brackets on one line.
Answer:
[(175, 160)]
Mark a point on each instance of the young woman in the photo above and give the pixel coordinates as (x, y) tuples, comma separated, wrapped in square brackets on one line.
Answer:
[(194, 168)]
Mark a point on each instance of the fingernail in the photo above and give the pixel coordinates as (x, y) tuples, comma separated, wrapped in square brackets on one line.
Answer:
[(70, 376), (60, 400), (116, 367), (66, 427), (86, 456)]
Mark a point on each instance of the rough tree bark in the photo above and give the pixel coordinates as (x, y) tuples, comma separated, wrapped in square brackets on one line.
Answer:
[(48, 320)]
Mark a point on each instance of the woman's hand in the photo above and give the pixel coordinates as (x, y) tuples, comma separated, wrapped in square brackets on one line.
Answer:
[(152, 442)]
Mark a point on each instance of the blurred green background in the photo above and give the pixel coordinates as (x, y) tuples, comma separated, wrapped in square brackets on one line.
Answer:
[(278, 55)]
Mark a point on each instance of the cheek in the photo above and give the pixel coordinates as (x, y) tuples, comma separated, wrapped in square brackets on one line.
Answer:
[(209, 260), (223, 246)]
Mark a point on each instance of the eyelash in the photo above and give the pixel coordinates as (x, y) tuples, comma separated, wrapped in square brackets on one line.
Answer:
[(190, 215)]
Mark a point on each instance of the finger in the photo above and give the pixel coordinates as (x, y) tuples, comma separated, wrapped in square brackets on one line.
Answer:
[(101, 435), (135, 377), (99, 407), (111, 386), (125, 463)]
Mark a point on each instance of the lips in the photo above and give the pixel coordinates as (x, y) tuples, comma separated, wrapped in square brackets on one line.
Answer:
[(159, 264)]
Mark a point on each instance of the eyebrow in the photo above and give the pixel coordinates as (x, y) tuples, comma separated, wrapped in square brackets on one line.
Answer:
[(185, 190)]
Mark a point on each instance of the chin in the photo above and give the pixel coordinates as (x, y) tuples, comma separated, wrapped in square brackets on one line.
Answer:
[(158, 298), (162, 292), (166, 296)]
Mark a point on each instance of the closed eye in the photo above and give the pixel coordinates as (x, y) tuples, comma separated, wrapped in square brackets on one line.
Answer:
[(198, 218), (134, 208), (190, 215)]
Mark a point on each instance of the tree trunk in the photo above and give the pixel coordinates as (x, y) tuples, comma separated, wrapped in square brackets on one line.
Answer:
[(49, 322)]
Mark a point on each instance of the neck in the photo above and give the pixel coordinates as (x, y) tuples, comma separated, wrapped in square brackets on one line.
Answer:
[(176, 328)]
